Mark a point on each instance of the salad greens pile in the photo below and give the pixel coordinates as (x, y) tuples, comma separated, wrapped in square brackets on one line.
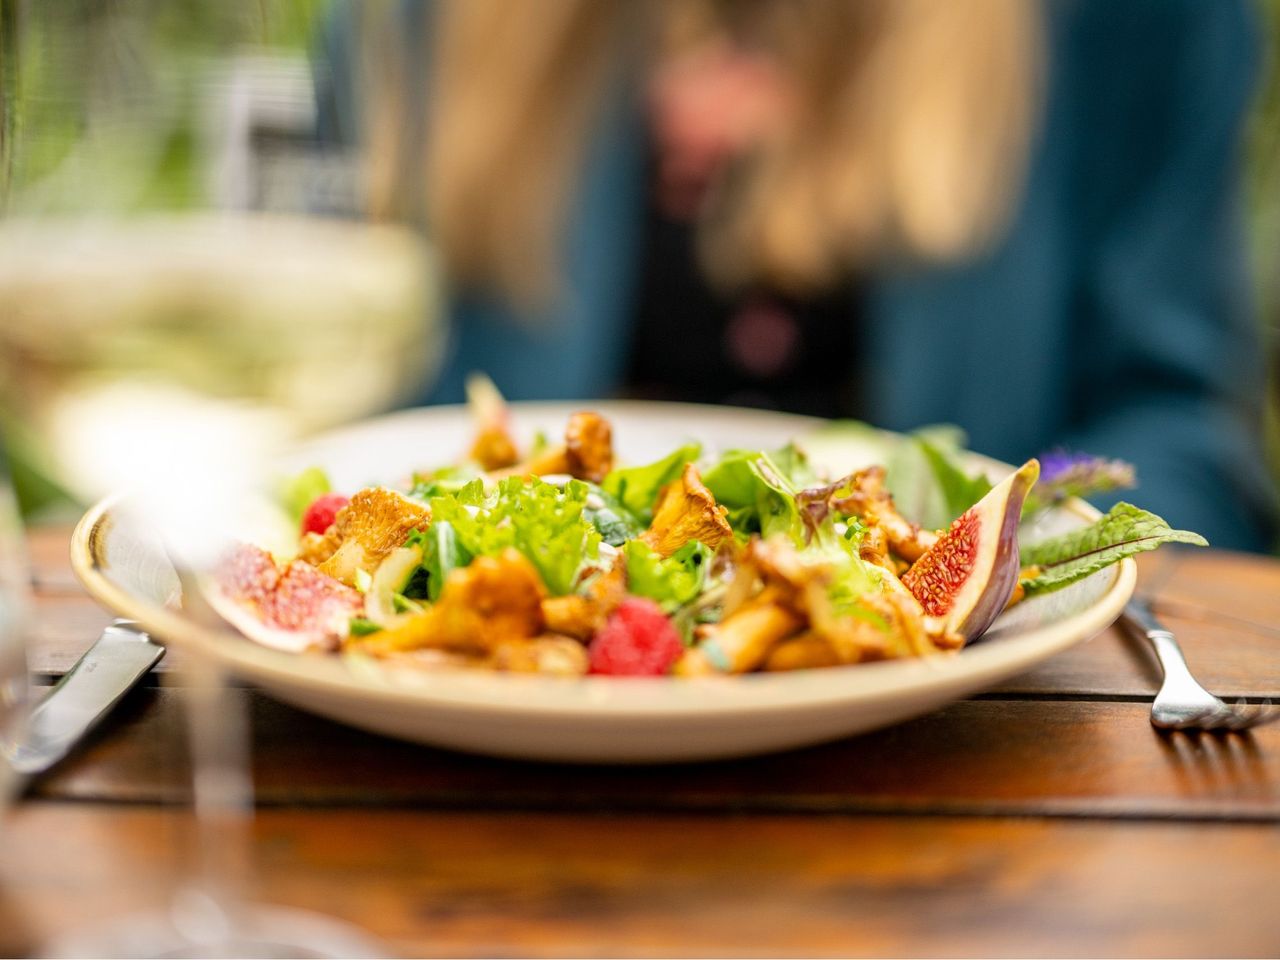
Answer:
[(813, 568)]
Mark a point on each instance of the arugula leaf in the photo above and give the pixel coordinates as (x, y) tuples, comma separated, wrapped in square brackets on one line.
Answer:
[(672, 581), (442, 552), (1123, 532), (759, 497), (542, 521), (295, 494), (360, 627), (637, 488)]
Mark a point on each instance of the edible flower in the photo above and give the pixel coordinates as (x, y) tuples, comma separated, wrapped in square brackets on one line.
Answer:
[(1066, 474)]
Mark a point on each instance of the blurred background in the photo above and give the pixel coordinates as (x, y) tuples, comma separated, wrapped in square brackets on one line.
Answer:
[(1099, 311), (1263, 206), (187, 276)]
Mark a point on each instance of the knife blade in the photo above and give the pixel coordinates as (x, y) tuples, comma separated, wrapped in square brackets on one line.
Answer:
[(84, 695)]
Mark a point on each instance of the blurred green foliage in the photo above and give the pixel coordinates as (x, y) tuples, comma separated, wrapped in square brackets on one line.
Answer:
[(95, 88), (99, 111)]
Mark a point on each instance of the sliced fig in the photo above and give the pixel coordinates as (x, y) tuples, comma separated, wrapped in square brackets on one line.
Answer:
[(292, 607), (967, 577)]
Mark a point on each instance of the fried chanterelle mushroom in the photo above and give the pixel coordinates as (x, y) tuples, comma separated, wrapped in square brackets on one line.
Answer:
[(686, 510), (494, 447), (374, 523), (780, 614), (491, 601), (580, 615), (587, 451), (588, 441), (870, 501), (491, 613)]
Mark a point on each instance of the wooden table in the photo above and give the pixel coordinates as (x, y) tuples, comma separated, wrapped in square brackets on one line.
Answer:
[(1044, 818)]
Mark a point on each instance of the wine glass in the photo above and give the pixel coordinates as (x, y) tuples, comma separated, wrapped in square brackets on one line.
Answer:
[(187, 419), (14, 618), (158, 337)]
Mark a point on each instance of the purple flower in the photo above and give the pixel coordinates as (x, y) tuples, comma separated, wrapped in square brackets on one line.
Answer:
[(1065, 474)]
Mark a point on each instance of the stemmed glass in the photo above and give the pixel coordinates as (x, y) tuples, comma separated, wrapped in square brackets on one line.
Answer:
[(14, 619), (156, 337), (192, 455)]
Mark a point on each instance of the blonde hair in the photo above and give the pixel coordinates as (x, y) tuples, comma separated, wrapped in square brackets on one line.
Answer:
[(908, 131)]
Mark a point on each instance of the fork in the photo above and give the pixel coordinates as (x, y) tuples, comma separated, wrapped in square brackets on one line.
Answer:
[(1181, 703)]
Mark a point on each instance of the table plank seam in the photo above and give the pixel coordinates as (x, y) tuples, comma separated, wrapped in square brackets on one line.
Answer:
[(1069, 696), (611, 806)]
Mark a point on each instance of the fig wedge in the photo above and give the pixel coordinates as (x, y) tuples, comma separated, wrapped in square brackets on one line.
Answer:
[(968, 576)]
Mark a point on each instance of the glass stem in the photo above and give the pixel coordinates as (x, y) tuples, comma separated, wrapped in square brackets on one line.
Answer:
[(208, 907)]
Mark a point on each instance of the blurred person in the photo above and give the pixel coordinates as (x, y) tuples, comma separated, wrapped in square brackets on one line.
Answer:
[(1018, 219)]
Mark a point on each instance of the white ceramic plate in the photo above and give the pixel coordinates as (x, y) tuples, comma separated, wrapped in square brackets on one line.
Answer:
[(598, 719)]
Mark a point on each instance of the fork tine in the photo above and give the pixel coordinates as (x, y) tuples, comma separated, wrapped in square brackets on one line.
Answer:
[(1225, 719), (1249, 716), (1182, 703)]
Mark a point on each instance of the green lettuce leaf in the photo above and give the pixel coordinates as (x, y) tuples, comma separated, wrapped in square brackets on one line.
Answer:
[(793, 463), (924, 473), (297, 493), (852, 578), (759, 496), (637, 488), (474, 494), (1123, 532), (446, 480), (672, 581), (544, 522), (847, 445), (850, 584), (959, 489)]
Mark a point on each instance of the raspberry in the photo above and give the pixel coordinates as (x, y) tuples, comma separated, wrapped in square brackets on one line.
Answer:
[(637, 641), (319, 516)]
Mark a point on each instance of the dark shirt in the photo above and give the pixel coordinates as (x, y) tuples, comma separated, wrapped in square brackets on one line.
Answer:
[(753, 348)]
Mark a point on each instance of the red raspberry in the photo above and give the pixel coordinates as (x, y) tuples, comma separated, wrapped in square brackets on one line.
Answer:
[(637, 641), (319, 516)]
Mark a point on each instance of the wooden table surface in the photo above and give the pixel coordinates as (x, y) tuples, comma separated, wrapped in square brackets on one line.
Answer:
[(1044, 818)]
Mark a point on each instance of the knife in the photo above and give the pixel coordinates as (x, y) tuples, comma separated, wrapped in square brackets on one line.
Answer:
[(84, 695)]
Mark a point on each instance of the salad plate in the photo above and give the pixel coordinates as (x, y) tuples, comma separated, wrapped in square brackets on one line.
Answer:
[(124, 565)]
